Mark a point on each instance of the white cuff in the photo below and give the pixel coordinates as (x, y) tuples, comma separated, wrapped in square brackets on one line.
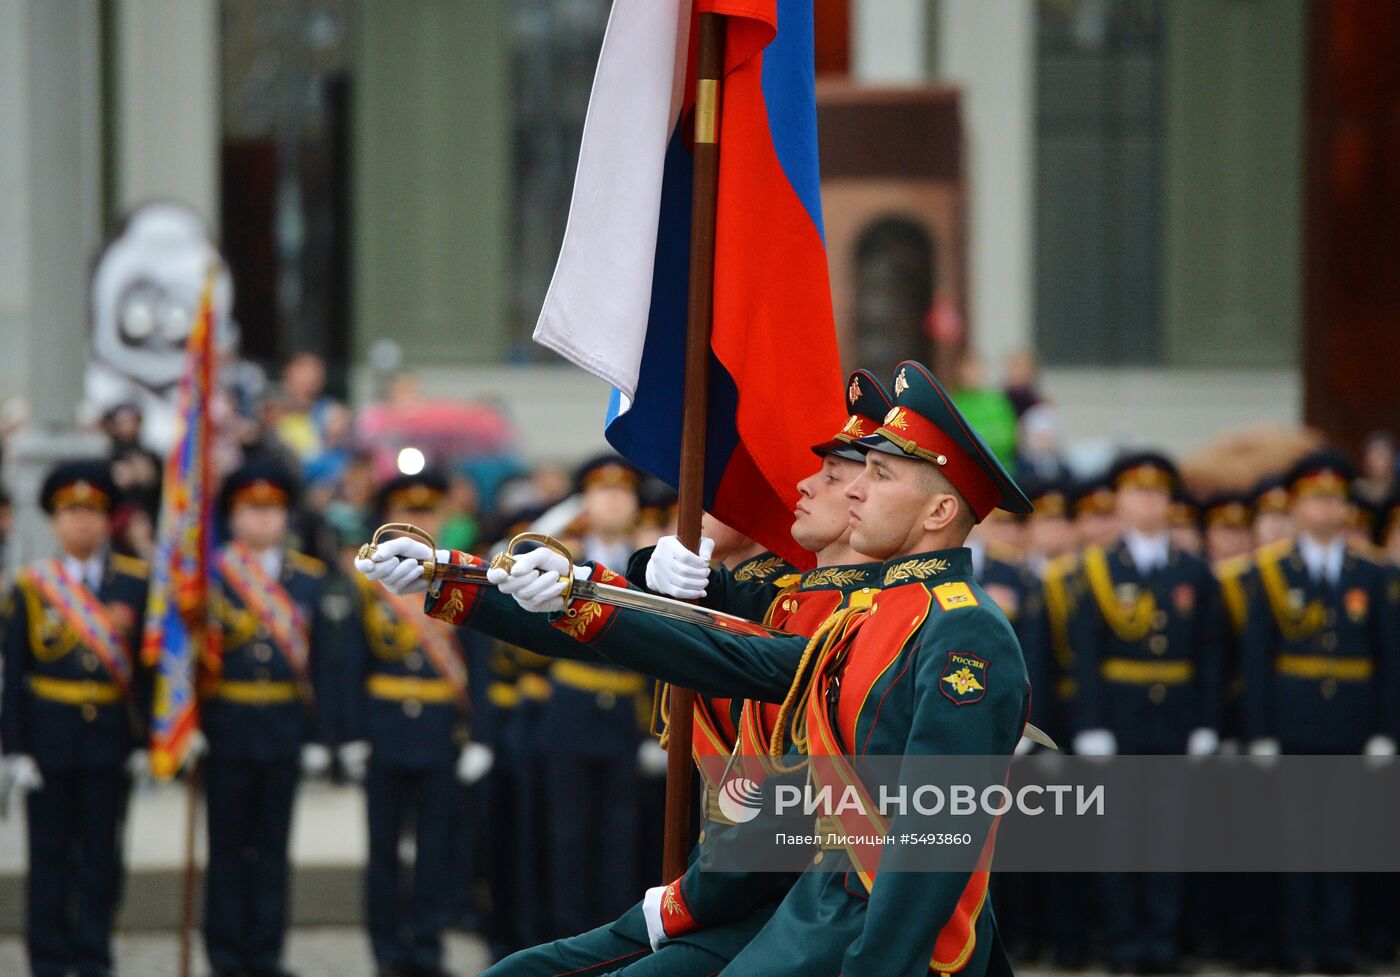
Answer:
[(1264, 746), (651, 911), (1202, 742), (1095, 742)]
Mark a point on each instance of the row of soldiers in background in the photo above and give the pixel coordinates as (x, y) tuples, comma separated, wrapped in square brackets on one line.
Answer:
[(1267, 623), (1134, 645), (308, 669)]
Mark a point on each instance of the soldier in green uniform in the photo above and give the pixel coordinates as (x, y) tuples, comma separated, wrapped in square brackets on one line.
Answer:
[(761, 586), (930, 653)]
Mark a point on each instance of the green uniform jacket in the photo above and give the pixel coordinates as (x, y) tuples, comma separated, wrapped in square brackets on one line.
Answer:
[(750, 591), (729, 908), (895, 698)]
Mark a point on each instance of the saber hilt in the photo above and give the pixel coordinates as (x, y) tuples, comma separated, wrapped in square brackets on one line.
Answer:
[(434, 571)]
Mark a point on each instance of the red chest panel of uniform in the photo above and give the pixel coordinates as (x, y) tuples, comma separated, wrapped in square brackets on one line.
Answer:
[(874, 651), (803, 611)]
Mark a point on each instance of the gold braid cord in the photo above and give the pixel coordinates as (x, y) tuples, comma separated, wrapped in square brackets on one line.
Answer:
[(826, 638), (1131, 624), (661, 714), (1295, 624)]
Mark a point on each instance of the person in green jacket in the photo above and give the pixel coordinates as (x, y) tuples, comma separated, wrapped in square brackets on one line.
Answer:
[(763, 587), (931, 657)]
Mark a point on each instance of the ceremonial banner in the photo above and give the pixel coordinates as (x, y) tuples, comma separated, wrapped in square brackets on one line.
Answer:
[(177, 609), (617, 303)]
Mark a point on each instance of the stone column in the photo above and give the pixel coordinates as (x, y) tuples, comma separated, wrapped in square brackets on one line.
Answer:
[(432, 179), (50, 179), (167, 104)]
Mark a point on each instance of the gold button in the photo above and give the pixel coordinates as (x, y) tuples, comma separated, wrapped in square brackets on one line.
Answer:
[(89, 661), (606, 699), (1329, 641), (1157, 693), (1330, 618), (1329, 688), (89, 711), (412, 708), (262, 652), (261, 674), (1159, 619), (413, 661), (817, 858), (1157, 644)]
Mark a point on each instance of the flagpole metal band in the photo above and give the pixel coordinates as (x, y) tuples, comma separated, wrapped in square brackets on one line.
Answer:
[(707, 111)]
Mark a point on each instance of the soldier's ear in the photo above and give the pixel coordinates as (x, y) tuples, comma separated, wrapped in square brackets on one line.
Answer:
[(941, 512)]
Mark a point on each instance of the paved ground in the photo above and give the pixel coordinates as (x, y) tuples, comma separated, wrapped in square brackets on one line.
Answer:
[(341, 951), (329, 952)]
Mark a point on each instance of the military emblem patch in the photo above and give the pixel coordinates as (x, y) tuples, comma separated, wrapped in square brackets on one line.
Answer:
[(901, 382), (1357, 602), (964, 678), (1184, 597)]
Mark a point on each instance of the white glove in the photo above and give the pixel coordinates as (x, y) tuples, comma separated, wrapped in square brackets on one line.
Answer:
[(138, 767), (315, 759), (197, 746), (652, 760), (1264, 751), (1096, 743), (23, 773), (651, 911), (354, 759), (1379, 750), (1202, 742), (398, 565), (474, 762), (674, 571), (536, 580)]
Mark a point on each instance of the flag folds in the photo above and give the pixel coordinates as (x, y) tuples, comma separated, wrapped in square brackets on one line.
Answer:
[(617, 303), (178, 606)]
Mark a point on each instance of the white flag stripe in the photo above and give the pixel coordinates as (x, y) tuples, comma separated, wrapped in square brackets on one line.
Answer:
[(595, 313)]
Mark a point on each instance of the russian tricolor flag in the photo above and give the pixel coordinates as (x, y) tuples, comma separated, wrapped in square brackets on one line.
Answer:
[(617, 304)]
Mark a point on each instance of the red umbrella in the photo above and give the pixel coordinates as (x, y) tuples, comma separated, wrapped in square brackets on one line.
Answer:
[(445, 431)]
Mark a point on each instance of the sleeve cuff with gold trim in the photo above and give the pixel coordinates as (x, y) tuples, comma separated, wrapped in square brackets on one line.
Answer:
[(588, 620), (453, 601), (676, 918)]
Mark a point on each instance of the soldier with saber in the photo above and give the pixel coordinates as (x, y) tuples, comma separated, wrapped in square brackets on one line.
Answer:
[(940, 668)]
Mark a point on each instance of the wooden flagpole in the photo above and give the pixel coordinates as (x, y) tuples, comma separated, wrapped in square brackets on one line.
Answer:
[(192, 784), (691, 490)]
